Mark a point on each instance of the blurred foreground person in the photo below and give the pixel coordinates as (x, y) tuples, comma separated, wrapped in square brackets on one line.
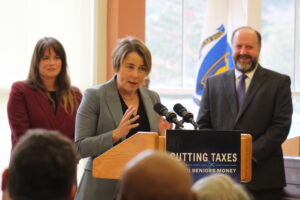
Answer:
[(220, 187), (42, 167), (155, 175)]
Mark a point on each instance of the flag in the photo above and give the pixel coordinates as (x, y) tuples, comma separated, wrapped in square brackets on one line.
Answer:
[(215, 52), (217, 60)]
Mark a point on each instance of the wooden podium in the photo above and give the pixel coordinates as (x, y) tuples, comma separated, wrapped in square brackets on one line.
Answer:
[(291, 147), (110, 164)]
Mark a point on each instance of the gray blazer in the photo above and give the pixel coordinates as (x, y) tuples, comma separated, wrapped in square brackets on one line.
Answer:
[(99, 113), (266, 114)]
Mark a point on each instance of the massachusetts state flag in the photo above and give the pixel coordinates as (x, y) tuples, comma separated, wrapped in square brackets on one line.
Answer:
[(215, 52)]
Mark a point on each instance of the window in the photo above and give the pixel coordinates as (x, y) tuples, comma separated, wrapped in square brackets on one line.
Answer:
[(173, 35), (22, 26), (279, 47), (278, 31)]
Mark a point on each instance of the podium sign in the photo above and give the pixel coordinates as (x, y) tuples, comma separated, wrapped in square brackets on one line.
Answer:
[(207, 152)]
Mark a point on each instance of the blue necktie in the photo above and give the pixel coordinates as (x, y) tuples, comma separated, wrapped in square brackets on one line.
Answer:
[(241, 90)]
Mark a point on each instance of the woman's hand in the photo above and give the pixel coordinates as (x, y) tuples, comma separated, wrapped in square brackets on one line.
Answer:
[(163, 125), (125, 125)]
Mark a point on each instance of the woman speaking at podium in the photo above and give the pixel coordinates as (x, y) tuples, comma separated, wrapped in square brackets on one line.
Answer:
[(114, 111)]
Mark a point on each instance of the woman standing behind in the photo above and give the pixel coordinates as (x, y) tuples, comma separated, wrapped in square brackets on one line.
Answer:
[(113, 111), (46, 99)]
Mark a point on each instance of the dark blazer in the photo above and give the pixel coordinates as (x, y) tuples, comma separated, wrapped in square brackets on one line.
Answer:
[(266, 114), (98, 115), (30, 108)]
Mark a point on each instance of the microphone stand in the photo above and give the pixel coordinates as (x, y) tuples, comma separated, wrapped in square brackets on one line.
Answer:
[(179, 126), (196, 127)]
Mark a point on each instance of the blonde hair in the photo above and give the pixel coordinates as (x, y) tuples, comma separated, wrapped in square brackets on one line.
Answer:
[(221, 187)]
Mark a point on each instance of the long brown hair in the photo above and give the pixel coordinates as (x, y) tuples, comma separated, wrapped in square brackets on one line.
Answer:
[(62, 82)]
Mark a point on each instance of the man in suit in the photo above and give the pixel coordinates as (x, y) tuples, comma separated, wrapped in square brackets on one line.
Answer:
[(42, 166), (154, 175), (254, 100)]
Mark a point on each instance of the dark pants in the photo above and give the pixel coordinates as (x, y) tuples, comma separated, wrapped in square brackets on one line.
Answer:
[(268, 194)]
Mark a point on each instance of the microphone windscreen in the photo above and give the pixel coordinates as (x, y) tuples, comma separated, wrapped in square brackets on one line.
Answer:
[(159, 108), (178, 108)]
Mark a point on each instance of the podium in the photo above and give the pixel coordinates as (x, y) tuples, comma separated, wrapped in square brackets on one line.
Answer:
[(111, 163), (291, 147)]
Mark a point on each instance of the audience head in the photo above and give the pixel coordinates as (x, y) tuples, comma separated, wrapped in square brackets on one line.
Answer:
[(128, 45), (155, 175), (42, 166), (221, 187), (246, 45), (46, 47)]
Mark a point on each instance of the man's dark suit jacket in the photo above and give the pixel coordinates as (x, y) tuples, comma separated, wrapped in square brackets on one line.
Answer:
[(265, 114)]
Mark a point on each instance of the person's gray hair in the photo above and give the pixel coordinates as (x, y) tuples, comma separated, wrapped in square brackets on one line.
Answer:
[(221, 187)]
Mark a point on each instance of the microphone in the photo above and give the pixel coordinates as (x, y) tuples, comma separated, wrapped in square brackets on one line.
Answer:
[(186, 116), (170, 116)]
